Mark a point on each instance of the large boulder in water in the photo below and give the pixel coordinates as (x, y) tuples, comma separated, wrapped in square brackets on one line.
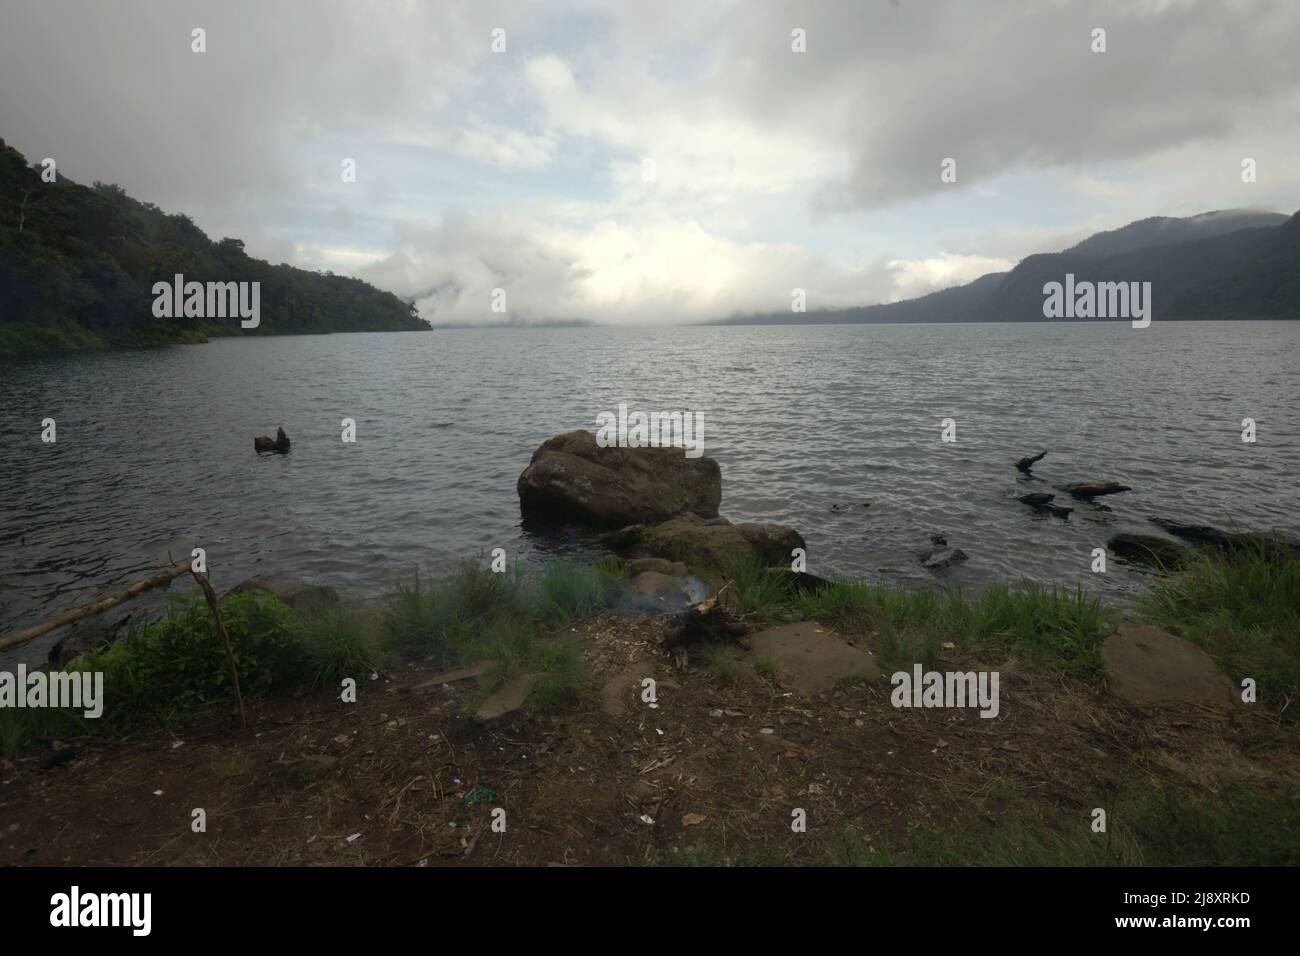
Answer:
[(571, 476)]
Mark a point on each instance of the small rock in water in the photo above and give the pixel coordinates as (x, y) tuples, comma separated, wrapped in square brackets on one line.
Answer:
[(1036, 500), (280, 443), (1094, 489), (1027, 463), (942, 558)]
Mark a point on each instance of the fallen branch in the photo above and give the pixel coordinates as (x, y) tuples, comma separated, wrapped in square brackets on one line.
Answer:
[(161, 579)]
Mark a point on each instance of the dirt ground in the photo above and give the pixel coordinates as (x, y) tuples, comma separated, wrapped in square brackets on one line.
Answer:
[(714, 772)]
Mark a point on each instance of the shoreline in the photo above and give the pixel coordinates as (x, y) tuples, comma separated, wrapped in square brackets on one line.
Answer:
[(192, 337), (555, 665)]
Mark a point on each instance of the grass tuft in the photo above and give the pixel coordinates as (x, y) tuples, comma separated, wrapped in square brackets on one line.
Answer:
[(1243, 609)]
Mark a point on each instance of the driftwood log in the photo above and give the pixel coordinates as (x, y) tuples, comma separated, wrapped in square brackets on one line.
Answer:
[(161, 579)]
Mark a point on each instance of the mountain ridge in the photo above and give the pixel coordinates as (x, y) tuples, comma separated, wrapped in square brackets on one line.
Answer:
[(1231, 264)]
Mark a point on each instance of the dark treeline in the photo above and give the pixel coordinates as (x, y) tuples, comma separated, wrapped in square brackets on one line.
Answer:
[(78, 264)]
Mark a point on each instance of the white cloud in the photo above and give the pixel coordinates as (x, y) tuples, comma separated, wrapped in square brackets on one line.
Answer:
[(918, 277), (525, 170)]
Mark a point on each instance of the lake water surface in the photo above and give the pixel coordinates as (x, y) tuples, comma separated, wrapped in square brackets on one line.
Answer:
[(154, 452)]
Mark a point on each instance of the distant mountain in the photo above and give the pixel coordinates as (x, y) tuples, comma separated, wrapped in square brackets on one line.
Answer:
[(78, 265), (1266, 288), (1235, 264), (1163, 231)]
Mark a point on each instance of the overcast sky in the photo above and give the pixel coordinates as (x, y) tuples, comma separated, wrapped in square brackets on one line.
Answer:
[(773, 169)]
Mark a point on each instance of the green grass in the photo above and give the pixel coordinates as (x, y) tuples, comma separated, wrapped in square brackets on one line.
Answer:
[(170, 669), (443, 621), (1048, 625), (727, 664), (569, 590), (1243, 610), (562, 679), (762, 592), (476, 615), (898, 648), (338, 645), (767, 670)]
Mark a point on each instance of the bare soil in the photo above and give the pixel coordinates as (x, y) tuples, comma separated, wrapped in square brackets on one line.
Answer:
[(406, 777)]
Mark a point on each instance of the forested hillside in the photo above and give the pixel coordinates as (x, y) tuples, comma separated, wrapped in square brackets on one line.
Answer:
[(78, 264)]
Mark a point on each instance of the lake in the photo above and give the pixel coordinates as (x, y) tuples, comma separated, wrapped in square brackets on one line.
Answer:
[(154, 451)]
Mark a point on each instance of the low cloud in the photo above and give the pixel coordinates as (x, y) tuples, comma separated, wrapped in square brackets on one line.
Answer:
[(659, 271), (660, 162)]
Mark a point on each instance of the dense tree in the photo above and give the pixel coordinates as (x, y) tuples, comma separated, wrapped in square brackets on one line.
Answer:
[(78, 264)]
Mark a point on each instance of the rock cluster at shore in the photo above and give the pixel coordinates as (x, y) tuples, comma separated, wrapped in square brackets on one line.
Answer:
[(666, 503)]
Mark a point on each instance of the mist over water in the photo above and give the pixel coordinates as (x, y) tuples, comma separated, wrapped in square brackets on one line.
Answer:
[(155, 452)]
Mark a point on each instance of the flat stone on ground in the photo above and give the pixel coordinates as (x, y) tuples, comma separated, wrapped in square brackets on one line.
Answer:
[(460, 673), (508, 699), (1145, 665), (811, 658), (619, 691)]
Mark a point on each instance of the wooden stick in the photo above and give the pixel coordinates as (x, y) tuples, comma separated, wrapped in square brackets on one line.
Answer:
[(211, 595), (161, 579)]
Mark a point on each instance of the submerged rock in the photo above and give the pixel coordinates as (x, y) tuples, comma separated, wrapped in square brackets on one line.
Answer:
[(706, 545), (308, 598), (1094, 489), (280, 443), (1042, 503), (1026, 464), (84, 638), (572, 476), (1273, 544), (941, 558), (1147, 549)]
